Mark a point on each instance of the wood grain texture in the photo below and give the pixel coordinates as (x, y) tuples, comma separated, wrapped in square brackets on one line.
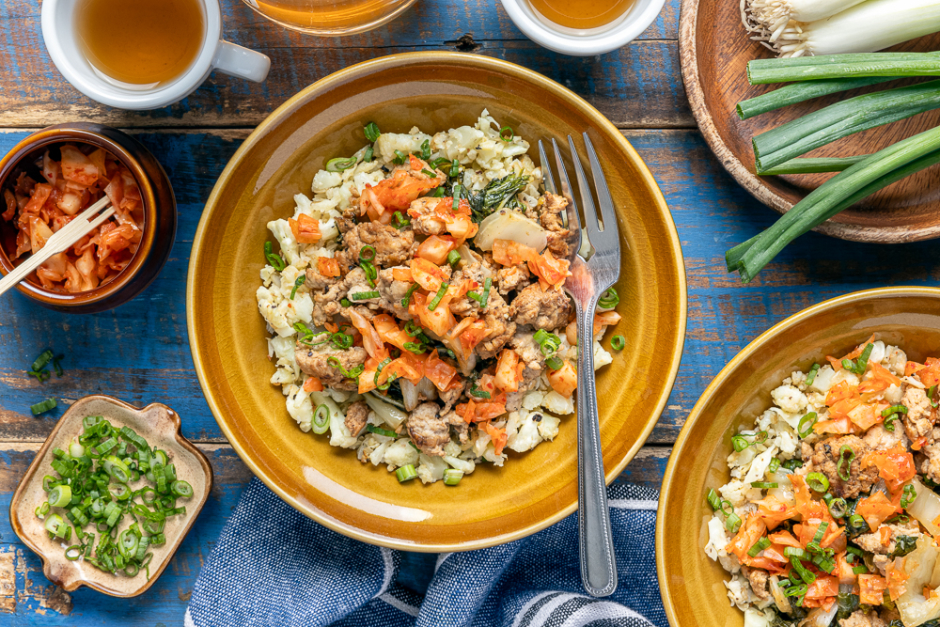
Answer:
[(714, 51), (26, 594), (152, 362), (637, 86)]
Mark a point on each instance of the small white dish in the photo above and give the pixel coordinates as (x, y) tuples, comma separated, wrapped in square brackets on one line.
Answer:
[(58, 32), (583, 42)]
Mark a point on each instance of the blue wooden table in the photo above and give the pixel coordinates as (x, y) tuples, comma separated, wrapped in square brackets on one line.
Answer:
[(139, 352)]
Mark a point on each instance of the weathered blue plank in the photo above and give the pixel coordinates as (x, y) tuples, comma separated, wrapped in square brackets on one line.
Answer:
[(638, 85), (153, 361)]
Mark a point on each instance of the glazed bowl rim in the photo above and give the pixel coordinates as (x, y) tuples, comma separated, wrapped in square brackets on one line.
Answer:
[(671, 476), (416, 58)]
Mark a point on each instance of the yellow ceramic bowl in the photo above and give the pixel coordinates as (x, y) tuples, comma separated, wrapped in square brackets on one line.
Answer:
[(435, 91), (691, 583)]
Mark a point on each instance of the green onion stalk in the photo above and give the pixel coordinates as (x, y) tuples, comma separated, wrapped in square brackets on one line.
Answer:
[(835, 195)]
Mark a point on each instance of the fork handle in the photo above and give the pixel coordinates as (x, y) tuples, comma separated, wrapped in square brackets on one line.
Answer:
[(598, 565)]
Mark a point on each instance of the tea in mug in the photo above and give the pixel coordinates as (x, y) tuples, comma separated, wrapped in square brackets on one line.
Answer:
[(140, 42)]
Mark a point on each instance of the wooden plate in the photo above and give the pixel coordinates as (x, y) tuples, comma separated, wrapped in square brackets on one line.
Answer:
[(435, 91), (714, 49), (691, 584)]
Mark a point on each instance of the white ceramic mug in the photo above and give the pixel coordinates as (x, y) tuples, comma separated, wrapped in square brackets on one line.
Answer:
[(58, 31)]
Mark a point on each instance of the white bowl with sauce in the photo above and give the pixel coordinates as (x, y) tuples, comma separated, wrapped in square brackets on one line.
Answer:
[(583, 27)]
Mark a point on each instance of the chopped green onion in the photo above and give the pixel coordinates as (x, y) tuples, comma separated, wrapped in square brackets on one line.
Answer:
[(506, 134), (368, 155), (44, 358), (60, 496), (482, 298), (609, 299), (364, 295), (792, 464), (182, 489), (411, 290), (759, 546), (399, 158), (406, 473), (367, 253), (860, 569), (838, 507), (806, 575), (910, 493), (817, 481), (741, 442), (713, 499), (733, 522), (300, 281), (320, 422), (417, 348), (372, 131), (453, 258), (44, 406), (380, 431), (456, 204), (774, 465), (454, 169), (765, 485), (845, 450), (894, 409), (554, 363), (426, 151), (811, 375), (339, 164), (399, 221), (345, 302), (73, 552), (805, 427), (438, 297), (349, 374), (55, 525), (931, 392), (274, 260), (452, 476), (617, 342)]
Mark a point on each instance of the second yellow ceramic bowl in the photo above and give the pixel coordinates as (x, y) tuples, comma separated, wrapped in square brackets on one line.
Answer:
[(691, 583), (434, 91)]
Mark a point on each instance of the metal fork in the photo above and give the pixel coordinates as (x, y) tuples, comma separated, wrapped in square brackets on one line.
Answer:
[(595, 267)]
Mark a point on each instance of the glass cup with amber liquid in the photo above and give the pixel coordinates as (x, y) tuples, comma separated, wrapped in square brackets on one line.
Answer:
[(330, 17)]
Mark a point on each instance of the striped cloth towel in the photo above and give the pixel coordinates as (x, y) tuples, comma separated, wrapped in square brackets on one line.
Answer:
[(275, 567)]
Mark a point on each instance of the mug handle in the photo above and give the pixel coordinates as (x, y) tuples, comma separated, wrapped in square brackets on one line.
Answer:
[(242, 62)]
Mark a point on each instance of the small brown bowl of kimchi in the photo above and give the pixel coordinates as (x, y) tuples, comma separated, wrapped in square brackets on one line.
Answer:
[(56, 173)]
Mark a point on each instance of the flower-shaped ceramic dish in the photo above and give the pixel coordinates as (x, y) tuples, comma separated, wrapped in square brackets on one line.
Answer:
[(435, 91), (690, 582), (160, 426)]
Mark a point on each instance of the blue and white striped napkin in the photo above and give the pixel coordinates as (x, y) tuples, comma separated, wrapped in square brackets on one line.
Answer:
[(275, 567)]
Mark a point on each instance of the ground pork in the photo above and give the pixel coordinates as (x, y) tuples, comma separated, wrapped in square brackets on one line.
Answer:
[(451, 396), (423, 219), (499, 324), (931, 463), (461, 427), (551, 309), (314, 361), (918, 421), (826, 459), (558, 244), (880, 439), (758, 580), (550, 208), (326, 299), (392, 294), (357, 415), (428, 429), (513, 278), (871, 542), (861, 619), (531, 355), (392, 246), (473, 271)]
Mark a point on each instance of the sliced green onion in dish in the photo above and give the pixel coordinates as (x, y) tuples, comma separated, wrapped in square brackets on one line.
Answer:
[(838, 507), (609, 299), (399, 221), (800, 92), (848, 66), (426, 151), (338, 165), (364, 295), (759, 546), (406, 473), (274, 260), (452, 476), (400, 158), (617, 342), (846, 457), (60, 496), (453, 258), (733, 522), (380, 431), (368, 155), (485, 296), (799, 136), (838, 193), (813, 165), (438, 297), (506, 134), (817, 482), (908, 496), (372, 131), (182, 489), (765, 485), (740, 441), (320, 422), (42, 407), (411, 290), (297, 283)]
